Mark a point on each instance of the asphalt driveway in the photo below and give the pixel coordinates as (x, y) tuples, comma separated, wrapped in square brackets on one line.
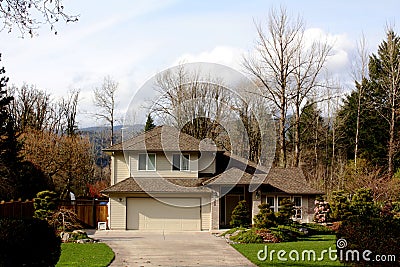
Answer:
[(158, 248)]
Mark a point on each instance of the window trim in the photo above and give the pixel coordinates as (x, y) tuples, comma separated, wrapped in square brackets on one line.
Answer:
[(147, 162), (179, 168)]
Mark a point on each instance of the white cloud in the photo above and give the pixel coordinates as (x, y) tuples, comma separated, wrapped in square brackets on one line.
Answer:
[(225, 55), (338, 61)]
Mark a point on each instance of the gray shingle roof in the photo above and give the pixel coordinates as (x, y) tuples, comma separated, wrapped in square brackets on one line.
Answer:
[(289, 180), (153, 185), (163, 138)]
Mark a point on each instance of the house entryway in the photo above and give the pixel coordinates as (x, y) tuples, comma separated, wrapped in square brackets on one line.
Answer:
[(230, 200)]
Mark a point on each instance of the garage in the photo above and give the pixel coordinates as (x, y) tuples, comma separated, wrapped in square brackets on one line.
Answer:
[(181, 214)]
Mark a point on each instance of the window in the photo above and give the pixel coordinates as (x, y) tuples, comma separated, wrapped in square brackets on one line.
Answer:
[(280, 199), (271, 203), (297, 201), (147, 162), (297, 207), (180, 162)]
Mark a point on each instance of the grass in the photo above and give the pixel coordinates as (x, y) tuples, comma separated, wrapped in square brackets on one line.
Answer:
[(88, 255), (316, 243)]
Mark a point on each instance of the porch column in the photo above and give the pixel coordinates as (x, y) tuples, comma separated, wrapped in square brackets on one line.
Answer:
[(215, 199), (256, 201)]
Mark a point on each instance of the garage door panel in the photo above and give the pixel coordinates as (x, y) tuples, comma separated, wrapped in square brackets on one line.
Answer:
[(151, 214)]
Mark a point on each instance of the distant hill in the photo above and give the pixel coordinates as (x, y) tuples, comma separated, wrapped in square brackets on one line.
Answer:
[(99, 137)]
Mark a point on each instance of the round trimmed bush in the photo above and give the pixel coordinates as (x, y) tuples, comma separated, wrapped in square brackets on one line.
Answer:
[(28, 242)]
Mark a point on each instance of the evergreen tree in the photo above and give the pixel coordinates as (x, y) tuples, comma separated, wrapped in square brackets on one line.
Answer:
[(149, 123), (379, 105), (45, 204), (384, 73), (240, 215), (8, 145), (373, 134), (286, 212), (265, 218), (340, 206), (362, 204), (18, 178)]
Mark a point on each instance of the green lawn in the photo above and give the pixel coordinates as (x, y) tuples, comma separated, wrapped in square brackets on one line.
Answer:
[(317, 243), (88, 255)]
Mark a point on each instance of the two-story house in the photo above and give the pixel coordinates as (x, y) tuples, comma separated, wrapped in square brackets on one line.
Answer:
[(165, 179)]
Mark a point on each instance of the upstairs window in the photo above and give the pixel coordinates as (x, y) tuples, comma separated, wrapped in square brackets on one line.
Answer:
[(180, 162), (147, 162)]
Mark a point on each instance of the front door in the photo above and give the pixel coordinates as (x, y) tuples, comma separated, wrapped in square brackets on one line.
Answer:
[(229, 202)]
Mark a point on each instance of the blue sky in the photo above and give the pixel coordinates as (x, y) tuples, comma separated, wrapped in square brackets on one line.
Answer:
[(133, 40)]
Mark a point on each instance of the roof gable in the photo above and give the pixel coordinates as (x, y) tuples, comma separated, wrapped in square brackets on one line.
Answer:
[(164, 138)]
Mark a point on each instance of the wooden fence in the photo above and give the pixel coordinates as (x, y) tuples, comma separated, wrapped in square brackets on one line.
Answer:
[(16, 209), (89, 212)]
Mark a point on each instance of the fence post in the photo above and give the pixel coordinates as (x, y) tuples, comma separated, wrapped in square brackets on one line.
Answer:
[(94, 212)]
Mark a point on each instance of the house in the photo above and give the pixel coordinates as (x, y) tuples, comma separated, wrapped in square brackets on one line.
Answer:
[(165, 179)]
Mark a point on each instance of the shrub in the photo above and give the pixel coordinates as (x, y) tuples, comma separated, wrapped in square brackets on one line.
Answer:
[(28, 242), (65, 220), (285, 213), (317, 229), (265, 218), (247, 236), (363, 204), (240, 215), (45, 204), (340, 205), (267, 236), (380, 235), (284, 235)]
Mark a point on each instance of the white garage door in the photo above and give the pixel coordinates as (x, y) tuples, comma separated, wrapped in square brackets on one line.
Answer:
[(151, 214)]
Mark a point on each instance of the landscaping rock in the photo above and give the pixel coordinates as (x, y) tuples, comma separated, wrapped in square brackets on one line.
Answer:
[(64, 237), (84, 241)]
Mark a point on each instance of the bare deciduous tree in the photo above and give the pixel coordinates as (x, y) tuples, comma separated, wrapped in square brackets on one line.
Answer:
[(359, 74), (194, 106), (274, 63), (27, 16), (104, 99), (308, 67), (69, 109)]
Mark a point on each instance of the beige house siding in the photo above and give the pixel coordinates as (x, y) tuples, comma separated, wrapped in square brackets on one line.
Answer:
[(118, 213), (205, 213), (119, 169), (163, 167), (207, 163)]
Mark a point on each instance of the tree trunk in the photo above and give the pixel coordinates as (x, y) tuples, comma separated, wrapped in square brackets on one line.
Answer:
[(392, 138), (296, 160), (282, 137)]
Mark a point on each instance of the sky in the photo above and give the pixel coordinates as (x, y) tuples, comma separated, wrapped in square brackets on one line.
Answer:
[(132, 40)]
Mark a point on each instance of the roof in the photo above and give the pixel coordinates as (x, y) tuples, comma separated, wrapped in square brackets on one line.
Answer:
[(288, 180), (154, 185), (164, 138)]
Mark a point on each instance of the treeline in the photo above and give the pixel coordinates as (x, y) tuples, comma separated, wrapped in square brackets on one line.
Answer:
[(340, 142), (41, 147)]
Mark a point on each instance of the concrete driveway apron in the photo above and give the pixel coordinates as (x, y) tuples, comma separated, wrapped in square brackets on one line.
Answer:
[(158, 248)]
